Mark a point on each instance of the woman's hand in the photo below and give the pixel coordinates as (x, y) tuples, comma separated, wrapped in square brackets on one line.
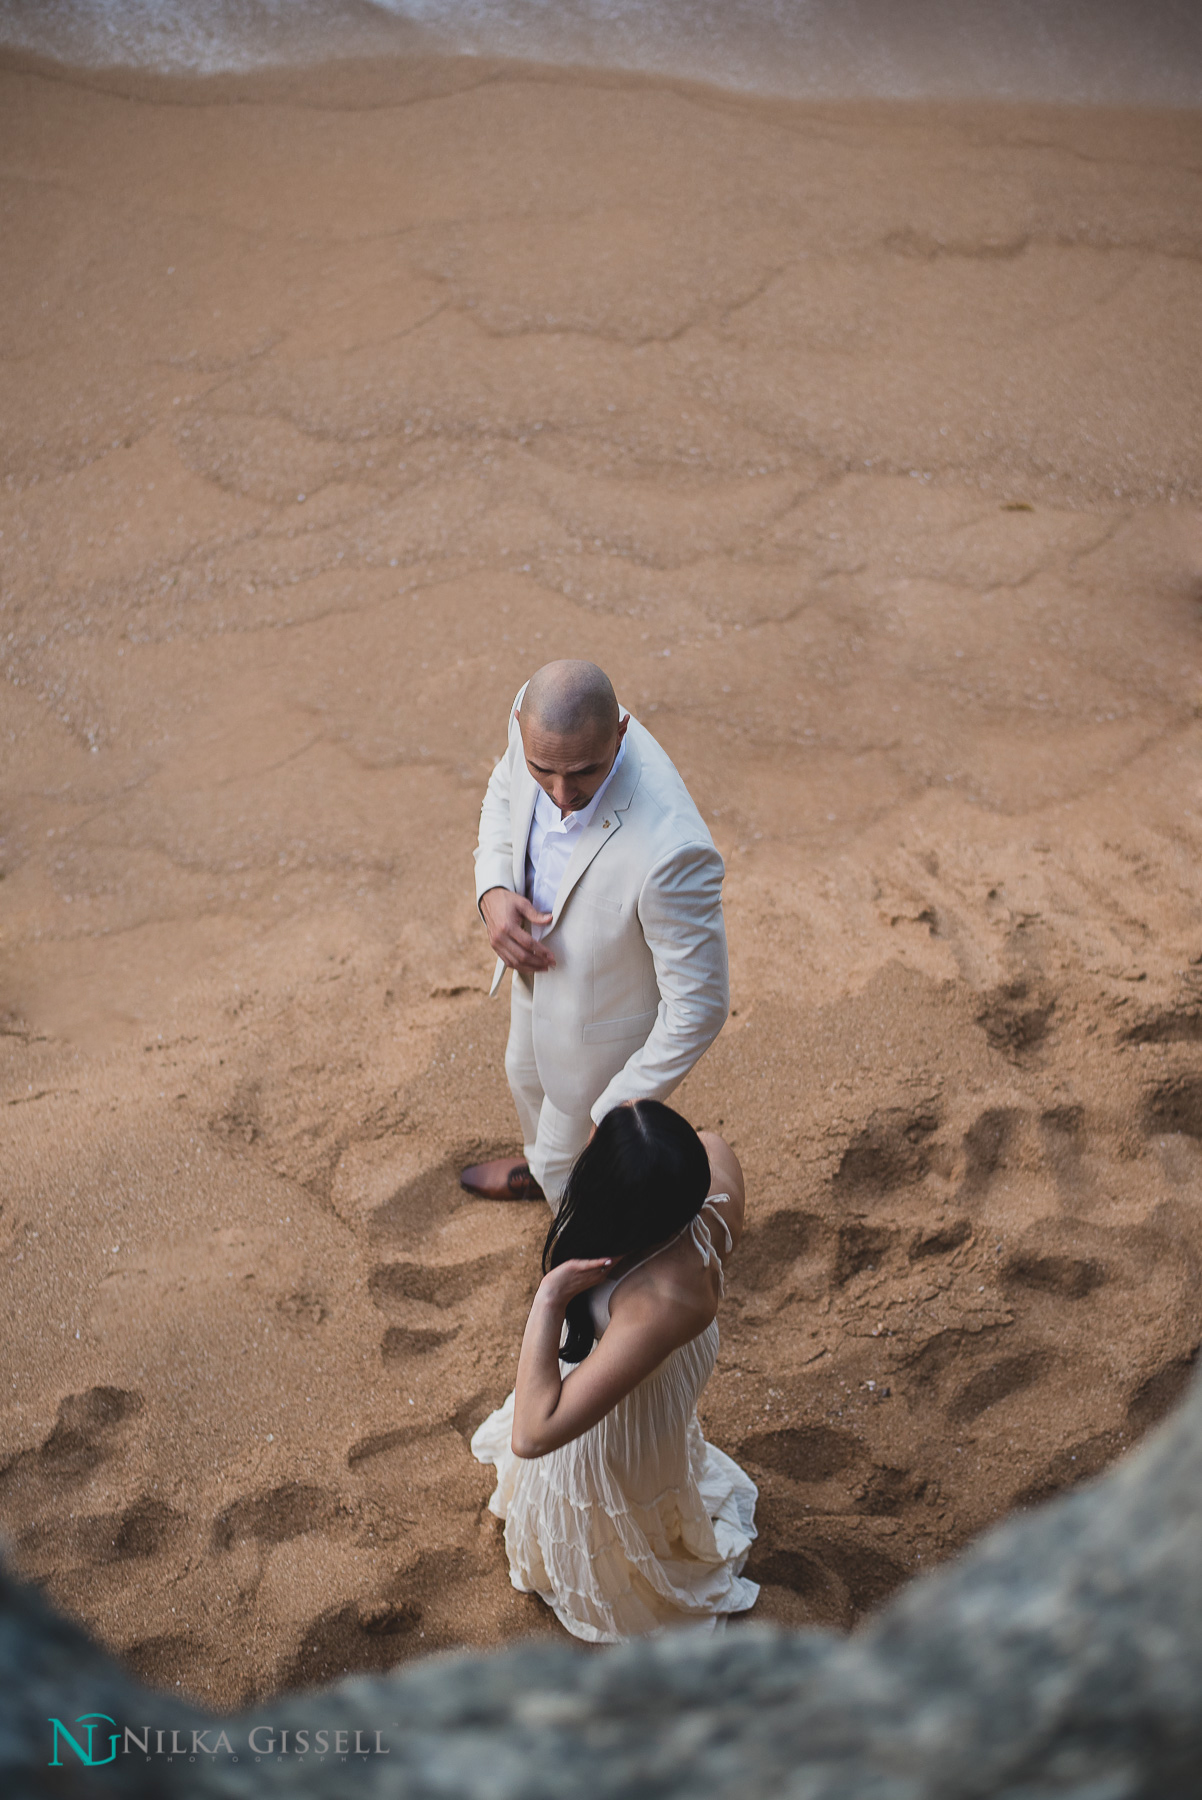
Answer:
[(567, 1279)]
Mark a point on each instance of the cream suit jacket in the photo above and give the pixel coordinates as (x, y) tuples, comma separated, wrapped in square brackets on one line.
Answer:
[(640, 986)]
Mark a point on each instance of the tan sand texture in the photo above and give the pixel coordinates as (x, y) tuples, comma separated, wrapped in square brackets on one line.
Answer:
[(862, 445)]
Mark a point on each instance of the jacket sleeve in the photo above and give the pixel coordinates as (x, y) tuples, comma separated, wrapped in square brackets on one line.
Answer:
[(680, 911), (494, 850)]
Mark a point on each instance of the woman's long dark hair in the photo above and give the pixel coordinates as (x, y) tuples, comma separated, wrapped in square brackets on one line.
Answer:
[(644, 1175)]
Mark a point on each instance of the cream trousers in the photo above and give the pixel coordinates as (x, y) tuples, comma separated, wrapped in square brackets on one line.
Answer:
[(551, 1140)]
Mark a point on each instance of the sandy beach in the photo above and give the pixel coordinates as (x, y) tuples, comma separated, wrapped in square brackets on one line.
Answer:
[(862, 445)]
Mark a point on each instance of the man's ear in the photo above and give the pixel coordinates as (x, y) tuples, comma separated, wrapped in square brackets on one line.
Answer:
[(622, 724)]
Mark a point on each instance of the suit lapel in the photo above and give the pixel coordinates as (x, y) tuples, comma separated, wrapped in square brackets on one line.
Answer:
[(604, 825)]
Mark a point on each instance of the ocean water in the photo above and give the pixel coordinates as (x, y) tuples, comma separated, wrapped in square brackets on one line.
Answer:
[(1142, 52)]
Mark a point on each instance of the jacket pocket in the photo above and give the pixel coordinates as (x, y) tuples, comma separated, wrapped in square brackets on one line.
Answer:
[(600, 902), (608, 1031)]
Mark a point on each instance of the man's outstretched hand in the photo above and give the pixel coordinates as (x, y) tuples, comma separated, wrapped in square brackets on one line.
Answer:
[(507, 915)]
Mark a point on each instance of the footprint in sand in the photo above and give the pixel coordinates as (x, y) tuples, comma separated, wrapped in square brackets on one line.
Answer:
[(769, 1249), (986, 1143), (284, 1512), (831, 1582), (1017, 1017), (1175, 1106), (894, 1149), (142, 1529), (1068, 1277), (86, 1432), (1179, 1025), (940, 1242), (1076, 1462), (887, 1491), (361, 1637), (963, 1374), (400, 1342), (382, 1442), (822, 1597), (502, 1279), (860, 1247), (373, 1633), (437, 1284), (168, 1660), (802, 1452), (997, 1382)]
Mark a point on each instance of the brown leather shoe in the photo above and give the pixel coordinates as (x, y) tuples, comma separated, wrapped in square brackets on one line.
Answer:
[(508, 1178)]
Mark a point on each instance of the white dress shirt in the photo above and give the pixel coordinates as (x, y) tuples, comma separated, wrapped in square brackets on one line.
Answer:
[(552, 840)]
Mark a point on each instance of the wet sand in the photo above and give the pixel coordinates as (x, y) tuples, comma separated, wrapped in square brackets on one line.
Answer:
[(861, 444)]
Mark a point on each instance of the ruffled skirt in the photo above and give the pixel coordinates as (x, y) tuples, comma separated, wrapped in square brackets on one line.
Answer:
[(637, 1526)]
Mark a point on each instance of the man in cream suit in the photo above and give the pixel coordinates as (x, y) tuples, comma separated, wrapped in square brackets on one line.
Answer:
[(602, 890)]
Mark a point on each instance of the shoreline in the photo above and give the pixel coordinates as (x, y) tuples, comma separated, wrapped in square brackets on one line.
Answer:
[(330, 75)]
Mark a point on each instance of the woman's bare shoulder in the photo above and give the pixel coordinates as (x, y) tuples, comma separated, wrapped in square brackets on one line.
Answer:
[(671, 1297), (726, 1177), (726, 1171)]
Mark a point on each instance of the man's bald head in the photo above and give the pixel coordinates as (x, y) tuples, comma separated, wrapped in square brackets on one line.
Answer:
[(571, 729), (570, 699)]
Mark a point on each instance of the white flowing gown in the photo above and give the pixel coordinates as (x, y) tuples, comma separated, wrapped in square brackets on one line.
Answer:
[(638, 1524)]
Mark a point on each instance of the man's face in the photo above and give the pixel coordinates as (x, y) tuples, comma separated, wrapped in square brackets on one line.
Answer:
[(570, 768)]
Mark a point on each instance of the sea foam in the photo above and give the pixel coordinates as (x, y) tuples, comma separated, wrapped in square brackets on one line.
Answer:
[(1139, 52)]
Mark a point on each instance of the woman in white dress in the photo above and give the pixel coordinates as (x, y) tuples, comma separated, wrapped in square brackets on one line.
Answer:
[(617, 1512)]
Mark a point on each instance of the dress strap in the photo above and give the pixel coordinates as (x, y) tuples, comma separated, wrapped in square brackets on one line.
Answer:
[(703, 1240)]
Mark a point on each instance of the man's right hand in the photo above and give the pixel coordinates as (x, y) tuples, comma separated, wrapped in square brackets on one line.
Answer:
[(507, 915)]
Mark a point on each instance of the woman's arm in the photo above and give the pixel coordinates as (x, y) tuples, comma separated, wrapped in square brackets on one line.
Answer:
[(549, 1411)]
